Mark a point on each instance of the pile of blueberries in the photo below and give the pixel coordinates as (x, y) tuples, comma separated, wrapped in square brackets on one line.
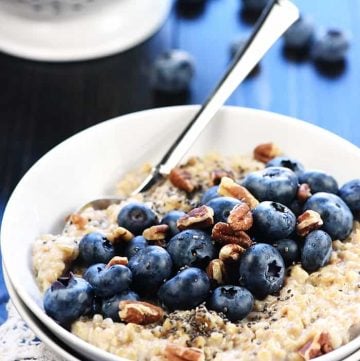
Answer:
[(173, 275), (173, 70)]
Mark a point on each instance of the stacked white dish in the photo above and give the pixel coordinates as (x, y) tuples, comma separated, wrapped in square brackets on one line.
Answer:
[(52, 188), (67, 30)]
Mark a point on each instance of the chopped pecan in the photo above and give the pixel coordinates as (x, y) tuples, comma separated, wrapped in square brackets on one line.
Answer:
[(182, 179), (78, 221), (180, 353), (307, 222), (266, 151), (141, 313), (303, 193), (156, 233), (216, 271), (224, 234), (200, 217), (217, 174), (118, 235), (317, 346), (231, 252), (117, 260), (229, 188), (240, 217)]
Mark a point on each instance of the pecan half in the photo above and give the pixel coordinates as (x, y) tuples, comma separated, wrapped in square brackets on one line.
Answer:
[(117, 260), (229, 188), (317, 346), (182, 179), (217, 174), (303, 192), (231, 252), (156, 233), (224, 234), (141, 313), (118, 235), (216, 271), (266, 151), (200, 217), (78, 221), (180, 353), (307, 222), (240, 217)]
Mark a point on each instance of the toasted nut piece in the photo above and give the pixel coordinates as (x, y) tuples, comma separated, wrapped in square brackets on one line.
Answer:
[(319, 345), (118, 260), (307, 222), (216, 271), (182, 179), (78, 221), (180, 353), (231, 252), (303, 193), (229, 188), (156, 233), (217, 174), (118, 235), (141, 313), (224, 234), (240, 217), (266, 151), (200, 217)]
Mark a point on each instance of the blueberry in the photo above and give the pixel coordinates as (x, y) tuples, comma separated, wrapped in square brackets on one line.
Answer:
[(210, 194), (235, 302), (254, 5), (296, 207), (273, 221), (95, 248), (67, 299), (276, 184), (336, 215), (316, 252), (170, 219), (319, 181), (186, 290), (262, 270), (110, 306), (172, 71), (222, 207), (350, 194), (134, 246), (331, 46), (289, 250), (286, 162), (300, 35), (136, 217), (191, 247), (107, 281), (150, 267)]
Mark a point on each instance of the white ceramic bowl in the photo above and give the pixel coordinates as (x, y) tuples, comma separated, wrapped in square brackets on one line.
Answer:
[(88, 165)]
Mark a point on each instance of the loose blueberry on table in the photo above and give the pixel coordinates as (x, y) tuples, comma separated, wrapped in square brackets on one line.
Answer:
[(235, 248), (172, 71)]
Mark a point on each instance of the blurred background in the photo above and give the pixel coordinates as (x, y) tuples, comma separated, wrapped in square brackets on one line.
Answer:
[(43, 103)]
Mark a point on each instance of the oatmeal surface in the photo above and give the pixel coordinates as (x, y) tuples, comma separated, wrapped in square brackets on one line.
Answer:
[(312, 314)]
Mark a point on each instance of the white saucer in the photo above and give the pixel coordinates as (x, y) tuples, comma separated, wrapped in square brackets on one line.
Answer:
[(51, 341), (112, 29)]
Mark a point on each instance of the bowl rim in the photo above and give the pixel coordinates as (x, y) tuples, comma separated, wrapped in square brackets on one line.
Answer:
[(16, 281)]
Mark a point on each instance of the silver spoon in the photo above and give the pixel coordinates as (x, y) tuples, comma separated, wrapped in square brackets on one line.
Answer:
[(274, 21)]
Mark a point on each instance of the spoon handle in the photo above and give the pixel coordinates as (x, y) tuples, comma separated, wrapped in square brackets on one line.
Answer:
[(275, 20)]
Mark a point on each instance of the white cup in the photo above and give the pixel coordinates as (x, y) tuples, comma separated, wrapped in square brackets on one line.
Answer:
[(52, 9)]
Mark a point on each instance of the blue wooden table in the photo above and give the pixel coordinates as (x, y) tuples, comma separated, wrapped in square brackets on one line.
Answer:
[(41, 104)]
